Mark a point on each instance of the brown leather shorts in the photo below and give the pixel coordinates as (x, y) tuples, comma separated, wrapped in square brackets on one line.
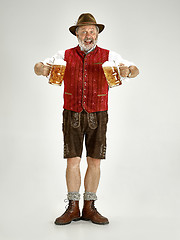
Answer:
[(91, 126)]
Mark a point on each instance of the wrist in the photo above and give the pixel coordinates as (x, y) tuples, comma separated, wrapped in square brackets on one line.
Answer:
[(129, 75)]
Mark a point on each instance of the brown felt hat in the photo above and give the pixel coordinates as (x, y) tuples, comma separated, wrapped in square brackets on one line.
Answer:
[(86, 19)]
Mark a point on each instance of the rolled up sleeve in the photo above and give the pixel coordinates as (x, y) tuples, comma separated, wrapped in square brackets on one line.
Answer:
[(51, 60), (115, 57)]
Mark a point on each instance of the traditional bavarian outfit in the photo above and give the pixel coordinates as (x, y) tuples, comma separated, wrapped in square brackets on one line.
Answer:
[(85, 100), (85, 112)]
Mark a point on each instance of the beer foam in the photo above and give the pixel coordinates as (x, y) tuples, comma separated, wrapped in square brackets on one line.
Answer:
[(109, 64), (59, 61)]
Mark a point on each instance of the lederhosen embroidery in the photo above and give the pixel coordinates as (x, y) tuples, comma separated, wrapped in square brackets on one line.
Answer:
[(103, 151), (75, 119), (66, 149), (92, 120)]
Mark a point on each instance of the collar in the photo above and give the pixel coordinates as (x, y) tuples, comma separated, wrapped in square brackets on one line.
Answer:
[(83, 54), (87, 51)]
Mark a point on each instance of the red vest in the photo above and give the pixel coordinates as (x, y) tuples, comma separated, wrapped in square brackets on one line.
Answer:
[(85, 85)]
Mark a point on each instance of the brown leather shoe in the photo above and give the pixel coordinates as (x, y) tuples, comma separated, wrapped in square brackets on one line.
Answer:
[(90, 213), (72, 213)]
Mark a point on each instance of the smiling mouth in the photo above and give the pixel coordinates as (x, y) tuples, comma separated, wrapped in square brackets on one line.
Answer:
[(88, 42)]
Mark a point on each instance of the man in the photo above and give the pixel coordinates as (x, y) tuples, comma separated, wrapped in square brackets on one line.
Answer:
[(85, 113)]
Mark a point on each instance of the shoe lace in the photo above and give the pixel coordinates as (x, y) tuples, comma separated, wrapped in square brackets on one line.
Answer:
[(93, 206), (67, 203), (95, 209)]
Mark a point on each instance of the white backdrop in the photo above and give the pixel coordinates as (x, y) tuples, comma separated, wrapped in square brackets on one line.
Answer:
[(139, 189)]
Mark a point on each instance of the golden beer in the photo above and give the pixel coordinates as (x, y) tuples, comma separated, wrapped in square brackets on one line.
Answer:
[(57, 74), (112, 74)]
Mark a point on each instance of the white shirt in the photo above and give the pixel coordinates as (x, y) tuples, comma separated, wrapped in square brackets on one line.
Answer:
[(113, 57)]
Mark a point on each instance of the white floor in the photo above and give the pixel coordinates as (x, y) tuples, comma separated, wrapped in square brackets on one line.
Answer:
[(39, 225), (30, 202)]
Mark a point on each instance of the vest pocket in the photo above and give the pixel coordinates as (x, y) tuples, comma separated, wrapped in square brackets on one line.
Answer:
[(68, 93), (101, 95), (99, 63)]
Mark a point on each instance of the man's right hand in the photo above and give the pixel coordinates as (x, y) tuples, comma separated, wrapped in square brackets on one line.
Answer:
[(41, 69)]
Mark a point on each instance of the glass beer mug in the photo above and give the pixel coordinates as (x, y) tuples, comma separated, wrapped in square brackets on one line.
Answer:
[(112, 74), (57, 72)]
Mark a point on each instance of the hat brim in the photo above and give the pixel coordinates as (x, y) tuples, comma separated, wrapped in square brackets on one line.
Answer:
[(73, 28)]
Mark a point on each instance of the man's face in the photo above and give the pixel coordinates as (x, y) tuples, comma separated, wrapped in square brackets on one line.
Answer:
[(87, 36)]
